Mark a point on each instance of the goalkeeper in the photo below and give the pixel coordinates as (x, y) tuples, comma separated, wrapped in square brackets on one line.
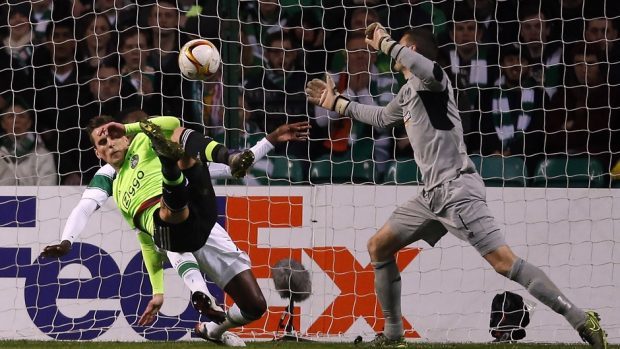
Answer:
[(135, 157), (453, 198)]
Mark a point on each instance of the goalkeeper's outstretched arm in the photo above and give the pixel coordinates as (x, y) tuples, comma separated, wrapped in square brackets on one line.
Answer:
[(324, 94), (423, 68)]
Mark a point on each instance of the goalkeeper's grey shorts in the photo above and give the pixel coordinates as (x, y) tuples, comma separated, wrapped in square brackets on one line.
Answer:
[(457, 206)]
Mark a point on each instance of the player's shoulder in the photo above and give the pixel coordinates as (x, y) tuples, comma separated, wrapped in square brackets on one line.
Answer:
[(101, 184), (106, 171)]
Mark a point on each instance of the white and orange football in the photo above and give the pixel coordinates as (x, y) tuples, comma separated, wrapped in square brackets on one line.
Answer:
[(198, 59)]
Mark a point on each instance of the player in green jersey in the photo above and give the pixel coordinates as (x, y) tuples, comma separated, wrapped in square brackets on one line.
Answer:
[(168, 195)]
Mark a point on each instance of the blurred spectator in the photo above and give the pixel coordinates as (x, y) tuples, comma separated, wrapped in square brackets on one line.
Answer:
[(138, 76), (203, 21), (131, 114), (163, 20), (602, 33), (15, 55), (19, 41), (278, 92), (571, 19), (105, 90), (179, 96), (24, 160), (360, 18), (307, 32), (517, 114), (472, 69), (79, 8), (250, 122), (121, 14), (213, 109), (361, 83), (262, 19), (403, 15), (97, 41), (486, 13), (58, 83), (40, 16), (543, 55), (584, 113)]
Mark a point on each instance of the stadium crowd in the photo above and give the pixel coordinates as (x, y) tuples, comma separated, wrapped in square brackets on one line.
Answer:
[(534, 79)]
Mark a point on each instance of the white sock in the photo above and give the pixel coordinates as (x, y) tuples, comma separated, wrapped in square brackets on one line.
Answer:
[(234, 318), (187, 267)]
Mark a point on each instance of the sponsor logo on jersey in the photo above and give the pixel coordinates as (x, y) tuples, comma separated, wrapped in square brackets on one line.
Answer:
[(407, 117), (134, 161)]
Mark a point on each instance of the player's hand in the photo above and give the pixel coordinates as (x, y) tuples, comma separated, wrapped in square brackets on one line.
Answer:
[(298, 131), (324, 94), (151, 310), (113, 130), (378, 38), (56, 251)]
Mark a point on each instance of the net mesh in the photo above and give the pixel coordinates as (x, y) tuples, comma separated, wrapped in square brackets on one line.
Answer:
[(536, 84)]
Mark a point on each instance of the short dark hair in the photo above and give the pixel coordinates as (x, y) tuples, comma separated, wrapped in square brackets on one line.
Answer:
[(463, 13), (95, 122), (68, 23), (424, 42), (510, 50), (531, 9), (123, 113), (278, 36)]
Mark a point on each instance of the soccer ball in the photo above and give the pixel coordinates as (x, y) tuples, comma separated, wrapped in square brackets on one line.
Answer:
[(198, 59)]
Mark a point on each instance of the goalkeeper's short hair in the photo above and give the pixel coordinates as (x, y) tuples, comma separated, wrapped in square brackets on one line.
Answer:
[(424, 42)]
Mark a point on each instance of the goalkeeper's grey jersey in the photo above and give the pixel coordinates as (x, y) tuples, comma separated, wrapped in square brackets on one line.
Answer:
[(425, 104)]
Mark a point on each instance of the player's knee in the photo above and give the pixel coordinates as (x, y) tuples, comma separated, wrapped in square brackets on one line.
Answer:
[(503, 266), (176, 134), (501, 259), (377, 249), (186, 162), (173, 217)]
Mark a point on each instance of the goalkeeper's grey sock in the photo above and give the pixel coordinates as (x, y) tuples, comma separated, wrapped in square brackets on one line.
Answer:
[(540, 286), (388, 288), (234, 318)]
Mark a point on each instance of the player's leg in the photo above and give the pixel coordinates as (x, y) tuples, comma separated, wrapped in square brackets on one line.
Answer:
[(195, 144), (208, 150), (230, 269), (186, 266), (174, 209), (188, 209), (468, 217), (538, 284), (409, 222), (249, 304)]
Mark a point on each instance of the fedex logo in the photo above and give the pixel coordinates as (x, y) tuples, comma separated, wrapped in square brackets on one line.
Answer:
[(242, 217)]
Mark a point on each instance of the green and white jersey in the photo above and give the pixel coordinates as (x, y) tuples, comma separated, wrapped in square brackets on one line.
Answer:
[(138, 180), (100, 187)]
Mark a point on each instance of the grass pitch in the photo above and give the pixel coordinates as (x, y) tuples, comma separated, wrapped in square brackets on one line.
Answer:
[(268, 345)]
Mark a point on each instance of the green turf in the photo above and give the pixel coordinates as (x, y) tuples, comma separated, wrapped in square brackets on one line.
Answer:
[(272, 345)]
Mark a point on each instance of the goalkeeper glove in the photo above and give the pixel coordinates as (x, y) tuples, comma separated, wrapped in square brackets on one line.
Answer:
[(324, 94), (378, 38)]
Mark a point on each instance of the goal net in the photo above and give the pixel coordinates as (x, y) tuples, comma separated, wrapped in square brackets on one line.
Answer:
[(536, 85)]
